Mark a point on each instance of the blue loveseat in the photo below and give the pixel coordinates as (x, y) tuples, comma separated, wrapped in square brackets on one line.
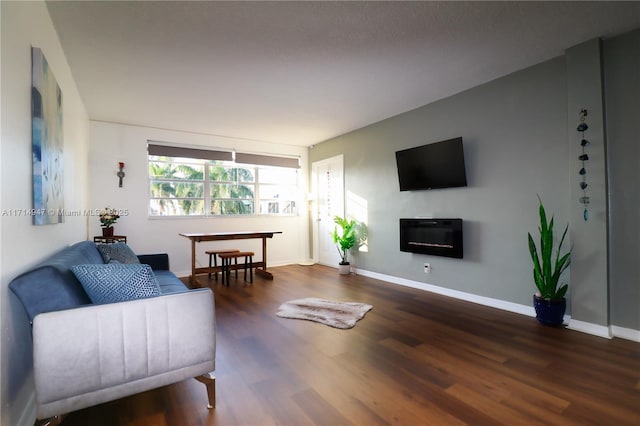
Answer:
[(86, 353)]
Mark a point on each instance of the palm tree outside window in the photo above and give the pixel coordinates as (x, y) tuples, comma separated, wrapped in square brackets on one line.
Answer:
[(192, 187)]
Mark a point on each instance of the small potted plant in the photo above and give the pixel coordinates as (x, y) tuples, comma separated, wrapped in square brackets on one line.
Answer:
[(549, 302), (344, 240), (108, 217)]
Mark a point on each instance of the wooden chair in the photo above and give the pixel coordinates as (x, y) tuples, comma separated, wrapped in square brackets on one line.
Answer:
[(226, 264)]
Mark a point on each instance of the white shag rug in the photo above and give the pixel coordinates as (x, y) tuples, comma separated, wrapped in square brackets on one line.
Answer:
[(341, 315)]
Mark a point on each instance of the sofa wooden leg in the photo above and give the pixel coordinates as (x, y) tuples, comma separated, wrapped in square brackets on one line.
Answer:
[(51, 421), (210, 382)]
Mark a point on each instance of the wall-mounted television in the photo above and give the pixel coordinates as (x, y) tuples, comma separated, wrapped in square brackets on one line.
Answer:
[(436, 165)]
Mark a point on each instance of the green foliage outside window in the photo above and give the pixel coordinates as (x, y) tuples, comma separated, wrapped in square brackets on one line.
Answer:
[(183, 187)]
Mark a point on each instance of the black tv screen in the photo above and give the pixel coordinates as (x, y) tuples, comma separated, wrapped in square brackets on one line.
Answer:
[(436, 165)]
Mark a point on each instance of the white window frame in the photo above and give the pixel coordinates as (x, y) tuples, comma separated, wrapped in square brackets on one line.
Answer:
[(293, 204)]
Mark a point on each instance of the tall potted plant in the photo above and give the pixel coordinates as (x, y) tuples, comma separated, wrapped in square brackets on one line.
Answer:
[(345, 239), (549, 302)]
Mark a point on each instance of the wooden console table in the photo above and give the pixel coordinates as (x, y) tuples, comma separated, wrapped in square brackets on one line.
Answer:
[(196, 237)]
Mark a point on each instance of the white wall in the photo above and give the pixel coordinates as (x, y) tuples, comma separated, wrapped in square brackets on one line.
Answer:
[(112, 143), (26, 24)]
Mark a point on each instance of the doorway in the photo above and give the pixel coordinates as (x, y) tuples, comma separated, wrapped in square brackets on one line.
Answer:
[(327, 186)]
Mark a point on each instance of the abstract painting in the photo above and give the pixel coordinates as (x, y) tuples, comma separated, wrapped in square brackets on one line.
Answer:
[(46, 142)]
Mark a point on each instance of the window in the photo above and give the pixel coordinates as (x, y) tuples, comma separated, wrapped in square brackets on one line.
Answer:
[(277, 195), (186, 186), (176, 186), (232, 189)]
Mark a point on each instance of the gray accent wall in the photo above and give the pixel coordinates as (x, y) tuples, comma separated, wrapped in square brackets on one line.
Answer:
[(622, 105), (520, 140), (515, 140), (589, 293)]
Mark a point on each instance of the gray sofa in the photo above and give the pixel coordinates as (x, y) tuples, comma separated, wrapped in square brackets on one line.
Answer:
[(86, 354)]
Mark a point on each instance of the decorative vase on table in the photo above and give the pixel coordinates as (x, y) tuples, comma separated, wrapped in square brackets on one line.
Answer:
[(108, 217)]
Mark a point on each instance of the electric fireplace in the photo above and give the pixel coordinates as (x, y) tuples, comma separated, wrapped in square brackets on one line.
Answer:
[(438, 237)]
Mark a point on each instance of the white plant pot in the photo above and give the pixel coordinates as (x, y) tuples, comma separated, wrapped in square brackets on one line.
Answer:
[(344, 269)]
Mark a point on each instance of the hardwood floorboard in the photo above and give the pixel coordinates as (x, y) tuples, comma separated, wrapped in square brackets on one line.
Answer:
[(417, 358)]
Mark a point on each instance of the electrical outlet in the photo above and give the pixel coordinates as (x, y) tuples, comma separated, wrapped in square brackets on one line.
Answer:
[(427, 268)]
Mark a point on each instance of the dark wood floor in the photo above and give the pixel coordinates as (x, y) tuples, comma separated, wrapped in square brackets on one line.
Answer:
[(416, 359)]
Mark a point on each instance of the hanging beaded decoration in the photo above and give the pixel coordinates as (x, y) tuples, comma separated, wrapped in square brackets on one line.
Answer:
[(584, 200)]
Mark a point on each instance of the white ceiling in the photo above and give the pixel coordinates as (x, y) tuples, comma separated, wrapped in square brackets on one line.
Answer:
[(302, 72)]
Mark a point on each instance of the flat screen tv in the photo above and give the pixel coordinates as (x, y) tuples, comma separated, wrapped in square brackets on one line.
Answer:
[(432, 166)]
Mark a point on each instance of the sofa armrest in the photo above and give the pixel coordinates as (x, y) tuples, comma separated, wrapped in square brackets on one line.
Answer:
[(94, 354), (157, 262)]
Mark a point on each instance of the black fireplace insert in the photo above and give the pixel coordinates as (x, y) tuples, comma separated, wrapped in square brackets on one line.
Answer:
[(438, 237)]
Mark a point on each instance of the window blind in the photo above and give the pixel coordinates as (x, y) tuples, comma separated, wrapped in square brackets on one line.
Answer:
[(267, 160), (206, 154), (200, 154)]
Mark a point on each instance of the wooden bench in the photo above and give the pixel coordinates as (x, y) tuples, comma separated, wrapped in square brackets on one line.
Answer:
[(226, 264), (214, 254)]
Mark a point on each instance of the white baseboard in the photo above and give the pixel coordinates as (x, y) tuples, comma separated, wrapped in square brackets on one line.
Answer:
[(486, 301), (625, 333), (585, 327)]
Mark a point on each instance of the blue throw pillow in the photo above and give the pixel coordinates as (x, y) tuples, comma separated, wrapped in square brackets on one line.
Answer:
[(116, 282), (119, 252)]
